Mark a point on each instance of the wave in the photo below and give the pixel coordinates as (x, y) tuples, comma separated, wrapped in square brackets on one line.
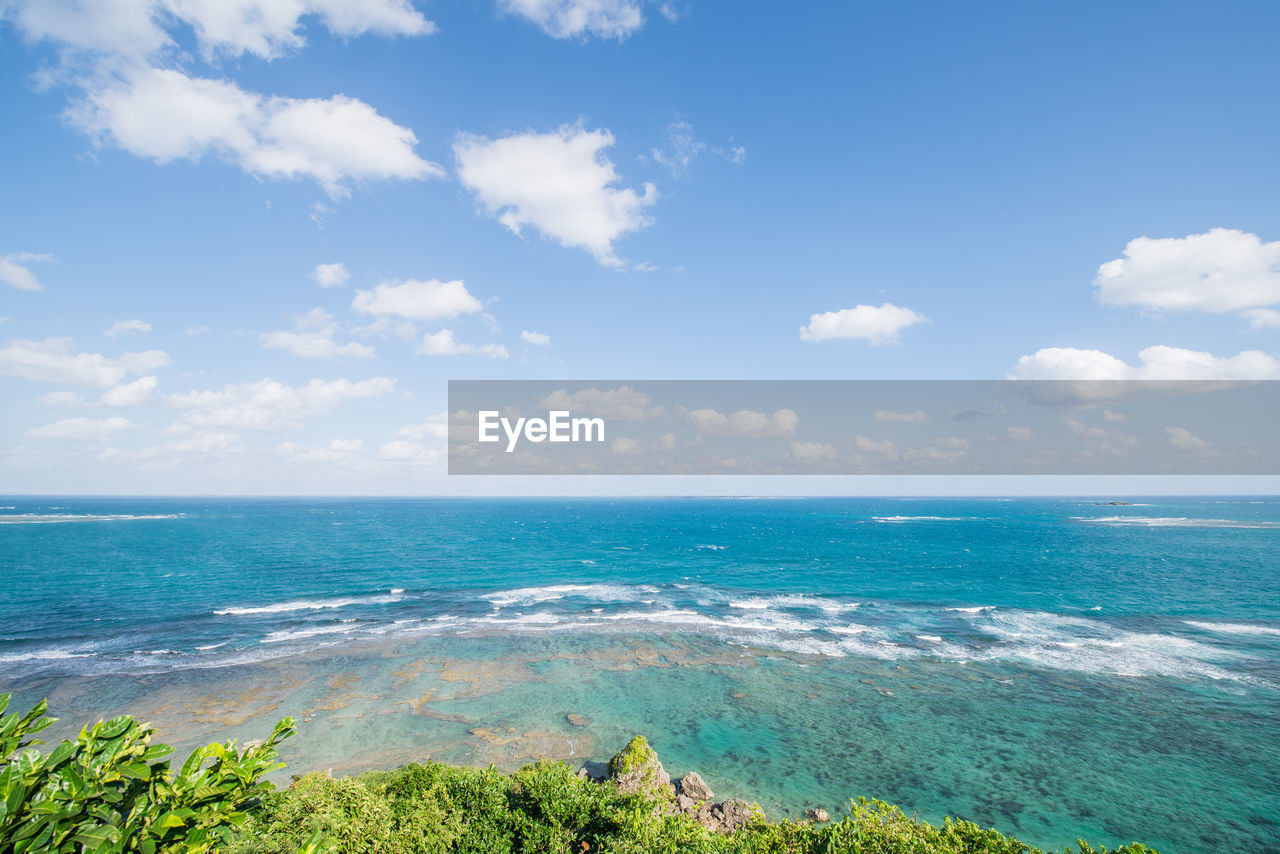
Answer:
[(1234, 628), (898, 520), (50, 518), (790, 624), (1174, 522), (307, 605)]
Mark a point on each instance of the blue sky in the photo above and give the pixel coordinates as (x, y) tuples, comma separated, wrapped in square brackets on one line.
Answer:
[(651, 190)]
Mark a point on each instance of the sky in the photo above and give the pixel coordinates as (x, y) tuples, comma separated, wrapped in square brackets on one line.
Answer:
[(244, 245)]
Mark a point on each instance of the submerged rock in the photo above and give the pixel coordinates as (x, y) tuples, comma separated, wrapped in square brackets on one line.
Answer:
[(578, 720), (636, 771)]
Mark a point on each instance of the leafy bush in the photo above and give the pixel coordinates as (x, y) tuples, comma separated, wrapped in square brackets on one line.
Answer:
[(111, 790), (544, 807)]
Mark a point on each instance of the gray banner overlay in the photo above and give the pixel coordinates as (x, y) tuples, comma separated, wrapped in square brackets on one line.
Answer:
[(997, 427)]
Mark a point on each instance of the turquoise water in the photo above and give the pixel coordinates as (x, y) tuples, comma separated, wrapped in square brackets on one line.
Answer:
[(1054, 668)]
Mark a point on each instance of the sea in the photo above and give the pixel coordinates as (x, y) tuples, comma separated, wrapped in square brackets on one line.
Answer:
[(1054, 668)]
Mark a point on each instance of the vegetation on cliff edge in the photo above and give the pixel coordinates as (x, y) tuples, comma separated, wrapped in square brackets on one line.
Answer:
[(111, 790)]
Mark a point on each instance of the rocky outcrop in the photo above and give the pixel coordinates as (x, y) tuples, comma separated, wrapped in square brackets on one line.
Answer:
[(817, 814), (636, 770)]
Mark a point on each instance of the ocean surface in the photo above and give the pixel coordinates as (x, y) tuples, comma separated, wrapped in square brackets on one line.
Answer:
[(1054, 668)]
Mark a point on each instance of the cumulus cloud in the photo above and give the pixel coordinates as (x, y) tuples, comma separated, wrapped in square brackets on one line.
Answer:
[(443, 343), (1155, 363), (53, 360), (127, 327), (434, 427), (560, 183), (1222, 270), (622, 403), (312, 338), (877, 325), (164, 115), (135, 393), (61, 398), (746, 422), (344, 452), (813, 452), (14, 271), (417, 300), (139, 29), (330, 275), (270, 405), (1184, 440), (408, 453), (1262, 318), (562, 19), (83, 429), (537, 339), (886, 416)]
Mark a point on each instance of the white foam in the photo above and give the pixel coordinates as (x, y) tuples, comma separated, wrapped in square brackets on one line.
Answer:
[(51, 518), (1235, 628), (306, 605), (303, 634), (1173, 522)]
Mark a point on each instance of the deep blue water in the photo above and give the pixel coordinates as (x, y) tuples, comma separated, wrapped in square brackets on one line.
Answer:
[(1048, 666)]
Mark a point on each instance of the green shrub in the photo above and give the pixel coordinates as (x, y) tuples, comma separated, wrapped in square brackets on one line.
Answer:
[(111, 790)]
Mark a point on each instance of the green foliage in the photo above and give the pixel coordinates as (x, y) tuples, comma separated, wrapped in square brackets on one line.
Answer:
[(634, 755), (544, 807), (111, 790)]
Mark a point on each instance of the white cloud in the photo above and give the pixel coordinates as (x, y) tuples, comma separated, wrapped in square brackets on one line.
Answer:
[(312, 338), (443, 343), (562, 19), (1018, 434), (746, 422), (194, 331), (682, 148), (401, 451), (871, 446), (330, 275), (127, 327), (61, 398), (417, 300), (877, 325), (52, 360), (1157, 363), (813, 452), (138, 29), (435, 427), (885, 416), (622, 403), (559, 183), (135, 393), (537, 339), (344, 452), (14, 271), (1262, 318), (1222, 270), (269, 28), (92, 429), (625, 446), (269, 405), (164, 115), (1184, 440)]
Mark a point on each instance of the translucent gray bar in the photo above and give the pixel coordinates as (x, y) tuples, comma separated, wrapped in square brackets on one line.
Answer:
[(1001, 427)]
